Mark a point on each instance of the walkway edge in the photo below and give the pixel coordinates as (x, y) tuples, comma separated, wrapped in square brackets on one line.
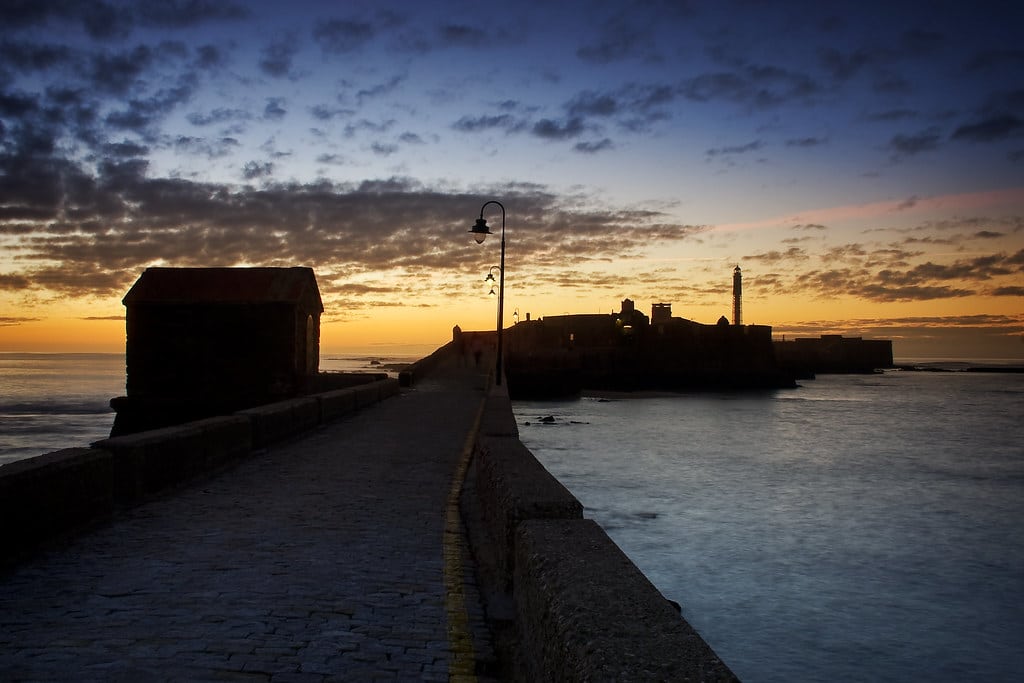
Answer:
[(460, 639)]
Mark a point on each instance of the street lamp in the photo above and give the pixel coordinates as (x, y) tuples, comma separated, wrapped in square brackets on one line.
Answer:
[(480, 232), (489, 280)]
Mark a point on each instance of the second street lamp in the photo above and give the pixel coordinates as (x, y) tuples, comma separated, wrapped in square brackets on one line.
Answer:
[(480, 232)]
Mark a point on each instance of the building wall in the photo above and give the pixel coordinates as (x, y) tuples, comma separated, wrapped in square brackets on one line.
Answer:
[(222, 351)]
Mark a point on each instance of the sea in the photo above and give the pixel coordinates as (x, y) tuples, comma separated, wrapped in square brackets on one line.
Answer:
[(51, 401), (856, 528)]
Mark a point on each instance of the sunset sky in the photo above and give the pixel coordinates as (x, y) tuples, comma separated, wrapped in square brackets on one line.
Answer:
[(862, 162)]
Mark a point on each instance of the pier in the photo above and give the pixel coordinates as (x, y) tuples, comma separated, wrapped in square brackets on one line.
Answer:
[(410, 537)]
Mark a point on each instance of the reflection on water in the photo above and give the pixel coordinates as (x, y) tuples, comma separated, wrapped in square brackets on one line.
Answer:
[(858, 528)]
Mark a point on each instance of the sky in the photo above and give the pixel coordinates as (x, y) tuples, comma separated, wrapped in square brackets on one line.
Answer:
[(861, 162)]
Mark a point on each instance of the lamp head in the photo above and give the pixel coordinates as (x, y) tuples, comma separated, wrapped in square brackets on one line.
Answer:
[(480, 230)]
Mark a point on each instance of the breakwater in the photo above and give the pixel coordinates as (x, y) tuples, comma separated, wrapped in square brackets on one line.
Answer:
[(63, 491), (567, 603)]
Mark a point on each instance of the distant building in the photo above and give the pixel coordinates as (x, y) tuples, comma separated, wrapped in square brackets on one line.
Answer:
[(205, 341), (628, 351), (661, 313), (833, 354)]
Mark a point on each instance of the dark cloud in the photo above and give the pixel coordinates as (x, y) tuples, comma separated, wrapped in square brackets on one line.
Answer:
[(276, 58), (383, 149), (385, 224), (142, 114), (257, 169), (550, 129), (274, 109), (806, 142), (735, 149), (368, 126), (791, 254), (217, 116), (908, 145), (475, 124), (27, 57), (590, 103), (379, 89), (125, 150), (757, 86), (892, 115), (594, 147), (210, 57), (991, 129), (187, 13), (211, 149), (462, 35), (634, 106), (118, 72), (323, 112), (618, 39), (997, 58), (335, 159), (10, 320), (341, 36)]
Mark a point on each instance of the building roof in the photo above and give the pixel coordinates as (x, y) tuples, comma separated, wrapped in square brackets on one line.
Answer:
[(225, 286)]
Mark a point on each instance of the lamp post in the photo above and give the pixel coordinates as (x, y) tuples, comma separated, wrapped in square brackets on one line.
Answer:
[(480, 232), (489, 280)]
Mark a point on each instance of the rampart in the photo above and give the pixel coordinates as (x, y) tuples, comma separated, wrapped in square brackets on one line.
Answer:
[(572, 605)]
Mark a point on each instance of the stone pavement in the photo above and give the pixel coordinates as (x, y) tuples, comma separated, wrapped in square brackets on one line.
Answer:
[(335, 556)]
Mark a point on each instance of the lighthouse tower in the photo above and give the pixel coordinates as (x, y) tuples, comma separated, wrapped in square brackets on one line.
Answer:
[(737, 297)]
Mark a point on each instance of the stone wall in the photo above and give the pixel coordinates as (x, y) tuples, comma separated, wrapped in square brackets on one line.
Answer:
[(565, 601), (57, 493)]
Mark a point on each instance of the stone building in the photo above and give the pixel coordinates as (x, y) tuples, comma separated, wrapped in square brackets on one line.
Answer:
[(207, 341)]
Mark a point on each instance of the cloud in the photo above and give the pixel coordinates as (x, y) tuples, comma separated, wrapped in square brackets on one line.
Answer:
[(274, 109), (806, 142), (908, 145), (342, 36), (991, 129), (276, 58), (461, 35), (218, 115), (756, 86), (774, 256), (735, 149), (257, 169), (324, 112), (87, 234), (380, 89), (551, 129), (594, 147), (619, 39), (11, 321), (383, 149), (211, 149)]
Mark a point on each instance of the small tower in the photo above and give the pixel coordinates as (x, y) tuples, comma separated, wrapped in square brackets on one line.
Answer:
[(737, 297)]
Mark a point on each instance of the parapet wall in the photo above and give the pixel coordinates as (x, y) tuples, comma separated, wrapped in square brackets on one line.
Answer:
[(582, 611), (51, 494)]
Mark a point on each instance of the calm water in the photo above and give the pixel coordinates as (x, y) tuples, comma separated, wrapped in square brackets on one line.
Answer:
[(54, 401), (860, 528)]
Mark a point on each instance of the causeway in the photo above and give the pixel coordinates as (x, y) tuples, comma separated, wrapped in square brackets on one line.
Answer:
[(331, 556)]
